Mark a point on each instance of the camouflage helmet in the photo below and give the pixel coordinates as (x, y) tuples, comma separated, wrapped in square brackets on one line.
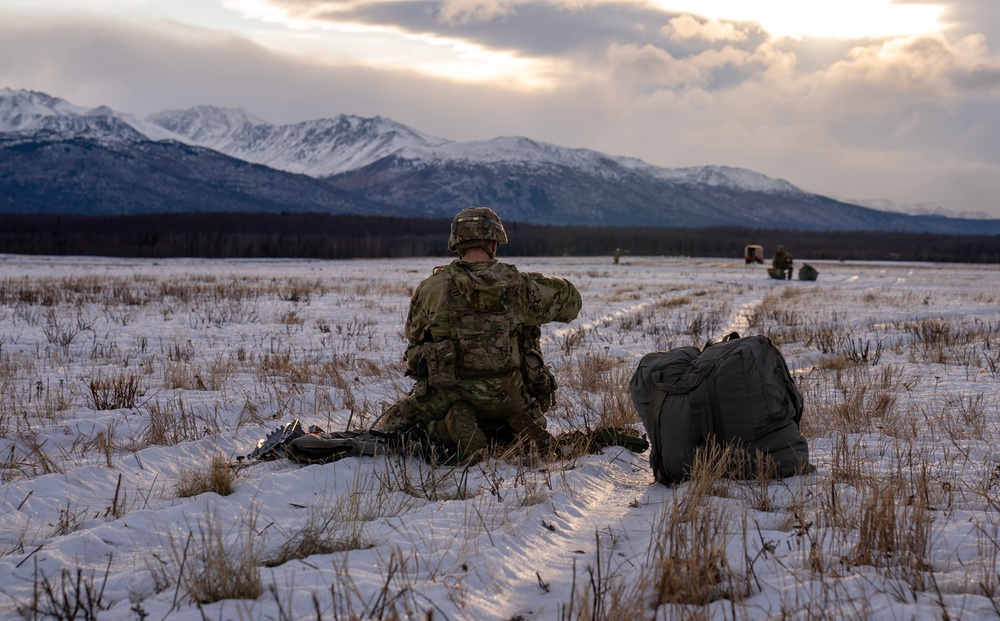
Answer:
[(475, 224)]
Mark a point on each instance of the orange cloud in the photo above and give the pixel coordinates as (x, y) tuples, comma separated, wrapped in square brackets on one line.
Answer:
[(687, 27)]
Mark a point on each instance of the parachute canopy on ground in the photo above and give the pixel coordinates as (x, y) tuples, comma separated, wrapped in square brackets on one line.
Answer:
[(808, 272)]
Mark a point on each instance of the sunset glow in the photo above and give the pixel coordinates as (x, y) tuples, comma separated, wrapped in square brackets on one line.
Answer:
[(846, 19)]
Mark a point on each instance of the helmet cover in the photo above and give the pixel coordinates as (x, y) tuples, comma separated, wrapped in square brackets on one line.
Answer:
[(475, 224)]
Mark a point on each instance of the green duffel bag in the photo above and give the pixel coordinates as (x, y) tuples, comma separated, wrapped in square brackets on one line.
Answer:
[(737, 392)]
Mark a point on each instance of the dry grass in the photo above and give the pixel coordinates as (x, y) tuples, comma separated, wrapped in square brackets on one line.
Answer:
[(687, 565), (168, 424), (337, 524), (117, 391), (331, 527), (599, 384), (235, 351), (216, 477), (211, 563), (73, 594), (854, 398), (883, 495)]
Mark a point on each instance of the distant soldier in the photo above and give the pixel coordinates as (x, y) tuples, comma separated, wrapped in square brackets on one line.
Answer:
[(782, 263), (473, 329), (618, 255)]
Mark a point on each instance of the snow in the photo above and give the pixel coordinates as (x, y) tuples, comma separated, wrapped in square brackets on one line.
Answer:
[(915, 209), (330, 146), (85, 489), (317, 148), (726, 176), (26, 110)]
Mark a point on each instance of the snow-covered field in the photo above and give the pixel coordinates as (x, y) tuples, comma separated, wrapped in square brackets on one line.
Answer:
[(121, 380)]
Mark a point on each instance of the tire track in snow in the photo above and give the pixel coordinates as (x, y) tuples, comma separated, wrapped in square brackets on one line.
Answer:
[(594, 500), (607, 318), (603, 320), (746, 305), (607, 498)]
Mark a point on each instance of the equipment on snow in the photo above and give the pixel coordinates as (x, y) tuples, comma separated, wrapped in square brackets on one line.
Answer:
[(737, 392), (273, 446), (753, 253), (320, 447)]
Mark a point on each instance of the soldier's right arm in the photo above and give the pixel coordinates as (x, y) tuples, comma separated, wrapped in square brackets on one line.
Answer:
[(550, 298), (415, 326), (427, 320)]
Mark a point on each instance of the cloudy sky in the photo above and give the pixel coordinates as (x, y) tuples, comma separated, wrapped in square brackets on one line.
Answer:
[(864, 99)]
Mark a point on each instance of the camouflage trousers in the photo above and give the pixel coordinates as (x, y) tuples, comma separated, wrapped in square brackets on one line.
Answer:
[(498, 402)]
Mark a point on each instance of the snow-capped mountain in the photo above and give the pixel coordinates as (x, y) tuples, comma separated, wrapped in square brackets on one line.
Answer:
[(316, 148), (58, 157), (732, 178), (328, 147), (29, 112), (918, 209)]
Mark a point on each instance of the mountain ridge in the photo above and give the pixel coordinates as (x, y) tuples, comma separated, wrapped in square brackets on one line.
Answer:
[(375, 165), (409, 143), (236, 133)]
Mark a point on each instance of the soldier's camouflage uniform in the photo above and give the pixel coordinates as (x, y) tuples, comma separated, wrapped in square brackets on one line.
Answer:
[(469, 329), (782, 262)]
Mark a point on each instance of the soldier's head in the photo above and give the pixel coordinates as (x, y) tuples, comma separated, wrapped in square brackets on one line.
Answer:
[(476, 227)]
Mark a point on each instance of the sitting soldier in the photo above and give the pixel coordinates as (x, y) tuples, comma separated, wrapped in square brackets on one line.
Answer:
[(473, 329), (782, 263)]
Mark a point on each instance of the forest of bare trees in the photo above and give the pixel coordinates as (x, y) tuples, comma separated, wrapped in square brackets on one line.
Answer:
[(321, 236)]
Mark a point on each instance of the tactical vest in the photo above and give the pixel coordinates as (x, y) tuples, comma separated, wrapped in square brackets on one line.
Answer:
[(482, 326)]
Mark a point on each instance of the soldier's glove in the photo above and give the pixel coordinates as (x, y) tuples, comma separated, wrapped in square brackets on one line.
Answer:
[(593, 441), (524, 426)]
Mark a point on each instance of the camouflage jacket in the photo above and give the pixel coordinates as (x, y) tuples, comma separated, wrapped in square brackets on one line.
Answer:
[(782, 260), (465, 320)]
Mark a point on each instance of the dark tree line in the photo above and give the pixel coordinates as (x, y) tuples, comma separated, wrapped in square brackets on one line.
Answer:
[(322, 236)]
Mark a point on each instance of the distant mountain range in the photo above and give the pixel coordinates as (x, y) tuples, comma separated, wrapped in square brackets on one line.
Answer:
[(56, 157)]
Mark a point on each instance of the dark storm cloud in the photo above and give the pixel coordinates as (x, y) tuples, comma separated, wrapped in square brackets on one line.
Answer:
[(531, 29), (635, 39)]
